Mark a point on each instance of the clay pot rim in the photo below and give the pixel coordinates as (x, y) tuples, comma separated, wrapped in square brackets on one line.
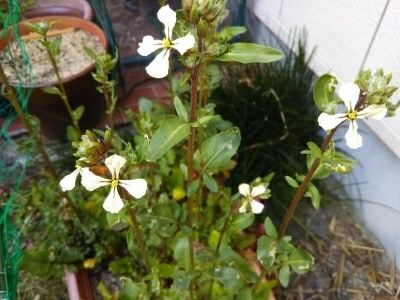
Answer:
[(36, 9), (64, 21)]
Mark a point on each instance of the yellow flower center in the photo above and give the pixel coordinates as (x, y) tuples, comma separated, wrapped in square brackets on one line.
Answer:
[(114, 183), (352, 115), (166, 43), (249, 198)]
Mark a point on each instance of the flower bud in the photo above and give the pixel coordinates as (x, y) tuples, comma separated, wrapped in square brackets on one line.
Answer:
[(216, 49), (202, 28), (376, 86), (187, 8)]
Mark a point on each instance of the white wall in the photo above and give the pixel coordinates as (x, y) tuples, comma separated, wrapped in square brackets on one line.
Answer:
[(350, 35)]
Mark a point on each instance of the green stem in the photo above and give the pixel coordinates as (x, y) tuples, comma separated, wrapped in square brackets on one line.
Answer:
[(264, 273), (303, 186), (139, 239), (193, 114), (64, 96), (110, 110), (38, 143), (224, 228), (296, 198)]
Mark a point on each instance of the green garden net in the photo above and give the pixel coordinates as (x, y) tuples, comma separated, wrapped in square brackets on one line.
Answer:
[(12, 163), (14, 158)]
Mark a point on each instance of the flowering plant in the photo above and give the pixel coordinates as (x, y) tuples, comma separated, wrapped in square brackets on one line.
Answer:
[(188, 235)]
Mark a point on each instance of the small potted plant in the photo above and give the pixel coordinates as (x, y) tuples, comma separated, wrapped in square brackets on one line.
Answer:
[(50, 76)]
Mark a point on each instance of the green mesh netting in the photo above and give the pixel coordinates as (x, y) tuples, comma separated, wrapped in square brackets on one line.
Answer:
[(14, 160), (12, 165)]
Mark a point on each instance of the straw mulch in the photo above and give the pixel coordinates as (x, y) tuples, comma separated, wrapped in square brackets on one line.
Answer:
[(349, 262)]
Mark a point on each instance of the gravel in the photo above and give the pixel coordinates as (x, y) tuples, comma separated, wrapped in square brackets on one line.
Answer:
[(71, 60)]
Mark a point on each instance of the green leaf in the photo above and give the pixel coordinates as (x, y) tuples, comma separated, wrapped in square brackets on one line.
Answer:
[(315, 150), (313, 192), (34, 123), (211, 70), (263, 290), (202, 121), (284, 275), (181, 110), (241, 221), (72, 134), (78, 112), (218, 150), (142, 145), (228, 276), (172, 130), (90, 52), (181, 253), (166, 270), (323, 92), (186, 230), (184, 170), (210, 182), (185, 77), (270, 228), (193, 187), (145, 105), (266, 250), (52, 90), (54, 46), (291, 181), (231, 31), (121, 266), (321, 172), (113, 219), (132, 290), (301, 261), (213, 238), (250, 53)]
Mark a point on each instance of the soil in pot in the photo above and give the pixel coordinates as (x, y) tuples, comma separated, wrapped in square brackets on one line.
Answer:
[(74, 66)]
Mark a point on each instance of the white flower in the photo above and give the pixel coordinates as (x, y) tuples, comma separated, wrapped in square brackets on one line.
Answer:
[(68, 182), (158, 68), (256, 206), (350, 93), (113, 203)]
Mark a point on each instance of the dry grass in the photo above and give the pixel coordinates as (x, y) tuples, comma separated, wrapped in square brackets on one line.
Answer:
[(31, 287)]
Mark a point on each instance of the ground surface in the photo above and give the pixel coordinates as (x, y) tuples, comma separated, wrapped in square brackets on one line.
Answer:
[(349, 262)]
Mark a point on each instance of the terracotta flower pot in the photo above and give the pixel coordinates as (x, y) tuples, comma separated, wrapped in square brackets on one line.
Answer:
[(74, 8), (80, 88)]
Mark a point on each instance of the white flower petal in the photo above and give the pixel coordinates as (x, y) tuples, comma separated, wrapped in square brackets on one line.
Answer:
[(243, 208), (113, 202), (256, 206), (258, 190), (328, 122), (136, 187), (349, 93), (68, 182), (168, 17), (91, 181), (244, 189), (183, 44), (158, 68), (374, 111), (149, 45), (353, 139), (114, 163)]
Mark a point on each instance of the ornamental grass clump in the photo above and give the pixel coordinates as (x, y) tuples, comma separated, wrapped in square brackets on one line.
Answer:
[(188, 235)]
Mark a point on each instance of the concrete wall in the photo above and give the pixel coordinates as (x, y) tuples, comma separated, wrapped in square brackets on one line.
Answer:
[(350, 35)]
